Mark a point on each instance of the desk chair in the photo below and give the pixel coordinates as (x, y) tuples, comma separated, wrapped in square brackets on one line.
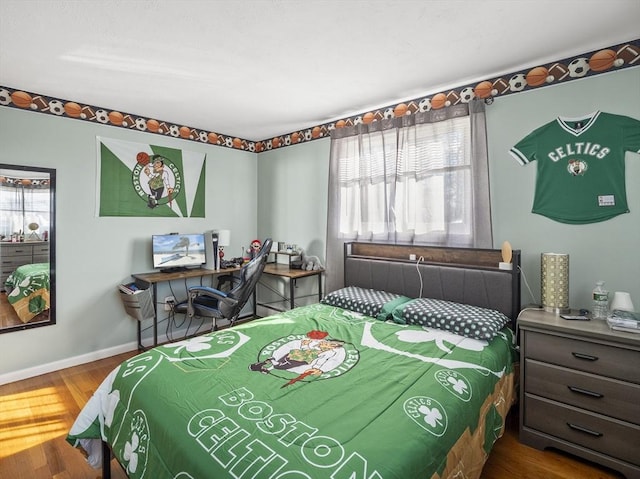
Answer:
[(206, 302)]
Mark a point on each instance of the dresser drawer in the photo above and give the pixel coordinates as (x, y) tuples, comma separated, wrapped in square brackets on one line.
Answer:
[(9, 263), (594, 358), (41, 250), (16, 249), (595, 393), (615, 438), (41, 258)]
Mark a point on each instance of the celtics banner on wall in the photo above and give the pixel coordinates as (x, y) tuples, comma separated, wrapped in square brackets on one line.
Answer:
[(137, 179)]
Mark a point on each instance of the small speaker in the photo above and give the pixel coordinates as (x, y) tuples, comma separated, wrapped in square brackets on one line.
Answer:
[(211, 250)]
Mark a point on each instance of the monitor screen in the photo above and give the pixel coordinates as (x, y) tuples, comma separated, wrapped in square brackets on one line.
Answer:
[(178, 251)]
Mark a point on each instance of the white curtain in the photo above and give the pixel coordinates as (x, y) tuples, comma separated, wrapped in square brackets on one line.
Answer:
[(418, 179), (20, 206)]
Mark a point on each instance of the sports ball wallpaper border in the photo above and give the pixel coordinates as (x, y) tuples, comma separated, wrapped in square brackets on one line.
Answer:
[(617, 57)]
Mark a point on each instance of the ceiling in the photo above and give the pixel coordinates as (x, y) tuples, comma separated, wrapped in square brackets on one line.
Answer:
[(260, 68)]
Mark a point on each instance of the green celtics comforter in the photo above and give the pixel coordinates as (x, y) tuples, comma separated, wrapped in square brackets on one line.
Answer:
[(313, 393), (28, 290)]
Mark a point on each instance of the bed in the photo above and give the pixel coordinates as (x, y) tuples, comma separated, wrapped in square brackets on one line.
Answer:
[(360, 385), (28, 290)]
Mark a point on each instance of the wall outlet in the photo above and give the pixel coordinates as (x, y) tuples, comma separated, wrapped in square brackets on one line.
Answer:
[(412, 257), (168, 302)]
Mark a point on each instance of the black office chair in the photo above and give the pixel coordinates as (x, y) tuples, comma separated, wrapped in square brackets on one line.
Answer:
[(206, 302)]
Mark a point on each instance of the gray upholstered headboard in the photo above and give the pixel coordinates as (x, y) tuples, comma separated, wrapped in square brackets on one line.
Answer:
[(463, 275)]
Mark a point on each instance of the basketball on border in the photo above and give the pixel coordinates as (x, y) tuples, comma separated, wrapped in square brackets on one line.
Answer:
[(116, 118), (21, 99), (438, 101), (400, 110), (537, 76), (153, 125), (72, 109), (602, 60), (184, 131), (483, 89)]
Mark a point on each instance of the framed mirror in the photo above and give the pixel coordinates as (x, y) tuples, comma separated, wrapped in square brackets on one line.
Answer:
[(27, 247)]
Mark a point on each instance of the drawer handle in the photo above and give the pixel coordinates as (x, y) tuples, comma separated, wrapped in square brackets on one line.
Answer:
[(588, 357), (586, 392), (584, 429)]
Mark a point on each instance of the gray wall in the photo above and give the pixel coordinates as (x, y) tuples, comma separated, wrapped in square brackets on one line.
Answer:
[(283, 194), (292, 195), (94, 254), (292, 189), (292, 208), (607, 250)]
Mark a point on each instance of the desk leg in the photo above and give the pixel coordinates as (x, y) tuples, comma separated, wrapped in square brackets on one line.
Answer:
[(106, 461), (292, 285), (319, 287), (154, 290), (255, 302), (155, 314)]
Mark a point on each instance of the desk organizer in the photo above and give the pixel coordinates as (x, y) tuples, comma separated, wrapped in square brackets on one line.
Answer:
[(140, 305)]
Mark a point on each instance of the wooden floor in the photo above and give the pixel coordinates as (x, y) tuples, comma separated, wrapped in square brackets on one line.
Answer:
[(9, 317), (36, 414)]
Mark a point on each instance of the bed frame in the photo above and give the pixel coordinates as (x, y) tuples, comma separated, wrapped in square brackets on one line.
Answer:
[(463, 275)]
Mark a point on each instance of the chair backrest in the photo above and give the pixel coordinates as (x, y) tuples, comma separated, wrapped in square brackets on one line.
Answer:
[(249, 276)]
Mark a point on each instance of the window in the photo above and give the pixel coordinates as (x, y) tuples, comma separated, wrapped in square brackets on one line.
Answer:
[(408, 184), (421, 178), (20, 206)]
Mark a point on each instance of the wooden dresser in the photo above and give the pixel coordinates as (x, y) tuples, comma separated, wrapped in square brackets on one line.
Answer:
[(13, 255), (580, 389)]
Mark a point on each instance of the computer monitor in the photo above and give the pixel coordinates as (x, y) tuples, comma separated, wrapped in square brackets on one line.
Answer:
[(175, 252)]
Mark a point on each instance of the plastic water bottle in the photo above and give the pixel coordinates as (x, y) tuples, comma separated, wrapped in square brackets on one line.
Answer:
[(600, 301)]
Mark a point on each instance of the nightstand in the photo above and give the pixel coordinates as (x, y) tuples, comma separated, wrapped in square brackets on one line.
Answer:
[(580, 389)]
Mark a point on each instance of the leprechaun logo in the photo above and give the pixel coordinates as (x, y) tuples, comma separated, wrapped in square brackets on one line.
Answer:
[(577, 167), (306, 357), (156, 179)]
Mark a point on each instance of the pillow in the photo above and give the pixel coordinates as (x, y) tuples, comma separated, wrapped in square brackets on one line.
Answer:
[(377, 304), (462, 319)]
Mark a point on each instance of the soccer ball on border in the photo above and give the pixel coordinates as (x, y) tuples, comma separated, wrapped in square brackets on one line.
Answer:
[(467, 94), (424, 104), (517, 82), (56, 107), (578, 67)]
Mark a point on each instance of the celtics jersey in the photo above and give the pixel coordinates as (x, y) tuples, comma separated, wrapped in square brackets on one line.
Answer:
[(581, 171)]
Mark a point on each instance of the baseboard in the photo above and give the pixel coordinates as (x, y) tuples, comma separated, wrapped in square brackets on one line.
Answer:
[(66, 363)]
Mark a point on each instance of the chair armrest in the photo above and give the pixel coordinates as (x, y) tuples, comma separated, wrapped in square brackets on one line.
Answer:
[(195, 291), (207, 291)]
